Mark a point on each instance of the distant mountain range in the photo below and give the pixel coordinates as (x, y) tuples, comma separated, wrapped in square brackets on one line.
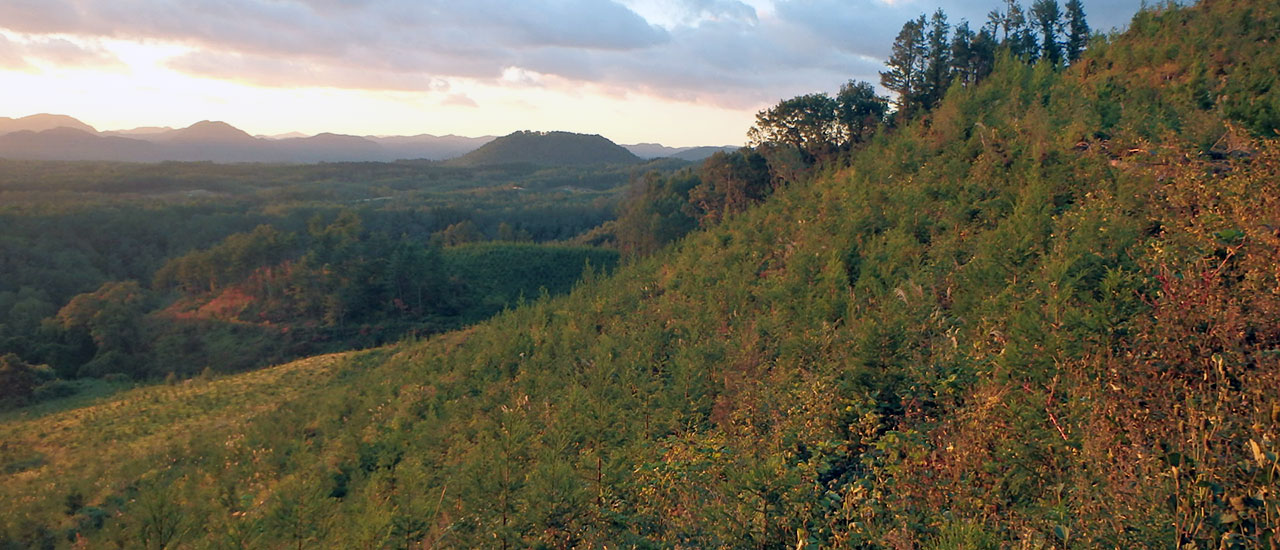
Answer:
[(61, 137)]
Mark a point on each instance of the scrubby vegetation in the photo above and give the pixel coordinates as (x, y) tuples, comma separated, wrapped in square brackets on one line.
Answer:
[(1043, 314)]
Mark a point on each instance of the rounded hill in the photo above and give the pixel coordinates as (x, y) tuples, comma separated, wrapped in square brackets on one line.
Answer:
[(547, 148)]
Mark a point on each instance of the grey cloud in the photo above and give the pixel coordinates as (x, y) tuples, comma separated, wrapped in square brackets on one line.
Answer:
[(861, 27)]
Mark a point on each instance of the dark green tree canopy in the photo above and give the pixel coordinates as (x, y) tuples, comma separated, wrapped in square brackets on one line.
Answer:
[(1077, 30), (1046, 16), (806, 122), (859, 111)]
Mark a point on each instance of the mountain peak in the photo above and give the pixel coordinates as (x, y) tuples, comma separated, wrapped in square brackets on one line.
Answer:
[(548, 148), (209, 130)]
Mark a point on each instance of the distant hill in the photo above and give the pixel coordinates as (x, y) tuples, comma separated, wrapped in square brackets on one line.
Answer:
[(207, 131), (326, 146), (695, 154), (548, 148), (73, 144), (42, 122), (690, 154), (139, 132), (652, 150), (427, 146)]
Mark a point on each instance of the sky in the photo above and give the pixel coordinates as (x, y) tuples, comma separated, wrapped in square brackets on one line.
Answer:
[(676, 72)]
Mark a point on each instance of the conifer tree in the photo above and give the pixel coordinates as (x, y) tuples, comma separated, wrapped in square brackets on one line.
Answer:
[(1077, 30), (938, 67), (982, 55), (1046, 16), (907, 65), (1018, 36), (962, 54)]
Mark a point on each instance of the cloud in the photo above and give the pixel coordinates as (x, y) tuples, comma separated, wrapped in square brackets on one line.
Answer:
[(459, 100), (270, 71), (12, 57), (23, 53), (711, 51)]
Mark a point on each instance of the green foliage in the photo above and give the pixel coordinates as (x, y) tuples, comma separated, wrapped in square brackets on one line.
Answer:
[(729, 183), (806, 123), (860, 112), (497, 275), (655, 213)]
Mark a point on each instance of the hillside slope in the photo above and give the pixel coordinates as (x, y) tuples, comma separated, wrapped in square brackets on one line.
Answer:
[(1045, 316)]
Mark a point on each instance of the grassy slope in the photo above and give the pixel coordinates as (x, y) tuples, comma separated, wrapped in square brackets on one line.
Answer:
[(1044, 317), (104, 448)]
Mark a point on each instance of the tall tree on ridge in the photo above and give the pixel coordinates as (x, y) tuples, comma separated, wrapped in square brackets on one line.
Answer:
[(1077, 30), (907, 65), (962, 54), (1046, 16), (1019, 37), (938, 68)]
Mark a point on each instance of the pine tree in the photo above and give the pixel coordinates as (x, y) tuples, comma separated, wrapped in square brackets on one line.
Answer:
[(1018, 37), (907, 64), (1046, 16), (962, 54), (983, 52), (938, 67), (1077, 30)]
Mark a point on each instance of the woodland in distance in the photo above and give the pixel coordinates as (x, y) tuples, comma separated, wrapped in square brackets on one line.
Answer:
[(1032, 301)]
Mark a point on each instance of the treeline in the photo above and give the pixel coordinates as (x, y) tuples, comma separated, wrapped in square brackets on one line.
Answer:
[(928, 57)]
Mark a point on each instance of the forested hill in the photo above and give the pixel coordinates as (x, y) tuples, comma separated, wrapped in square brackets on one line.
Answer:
[(547, 148), (1044, 313)]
